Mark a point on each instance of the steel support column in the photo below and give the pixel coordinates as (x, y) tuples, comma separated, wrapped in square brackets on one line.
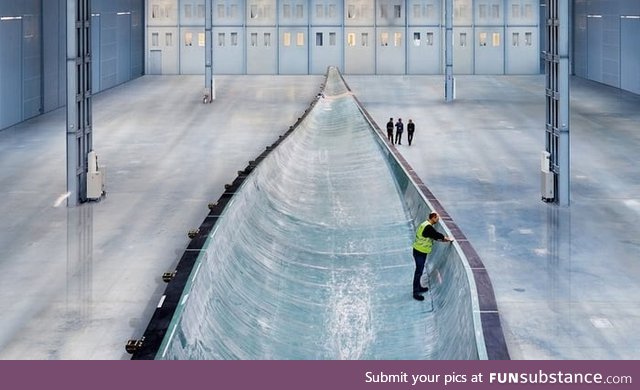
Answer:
[(209, 89), (448, 52), (557, 97), (79, 137)]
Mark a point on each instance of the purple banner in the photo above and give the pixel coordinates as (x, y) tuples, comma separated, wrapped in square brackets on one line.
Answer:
[(311, 375)]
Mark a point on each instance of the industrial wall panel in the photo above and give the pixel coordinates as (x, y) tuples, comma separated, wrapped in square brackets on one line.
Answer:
[(630, 53), (166, 41), (359, 50), (580, 45), (424, 12), (390, 13), (489, 50), (123, 45), (228, 12), (390, 50), (228, 50), (489, 12), (10, 70), (293, 13), (326, 12), (294, 49), (31, 62), (137, 38), (359, 13), (594, 47), (51, 42), (192, 50), (260, 13), (424, 50), (611, 50), (95, 53), (325, 49), (262, 46), (463, 49), (522, 51)]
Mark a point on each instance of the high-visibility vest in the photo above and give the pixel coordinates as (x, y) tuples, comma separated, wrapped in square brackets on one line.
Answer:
[(422, 244)]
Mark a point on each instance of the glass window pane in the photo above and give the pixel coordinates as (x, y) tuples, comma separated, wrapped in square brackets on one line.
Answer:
[(496, 39), (416, 39), (267, 39), (201, 11), (351, 39), (515, 39), (429, 39), (220, 10), (154, 39), (299, 11), (397, 39), (300, 39), (286, 10), (332, 39), (397, 11), (528, 39), (463, 39), (286, 39), (234, 39), (383, 11), (351, 13), (365, 39), (254, 39), (416, 10), (201, 39), (319, 39), (168, 39), (384, 39), (332, 10), (515, 10), (220, 39), (187, 10), (319, 10), (188, 39)]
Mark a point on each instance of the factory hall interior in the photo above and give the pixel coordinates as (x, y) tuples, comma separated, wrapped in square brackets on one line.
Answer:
[(214, 179)]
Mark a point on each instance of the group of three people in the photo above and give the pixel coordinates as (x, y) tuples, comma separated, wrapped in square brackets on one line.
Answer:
[(411, 128)]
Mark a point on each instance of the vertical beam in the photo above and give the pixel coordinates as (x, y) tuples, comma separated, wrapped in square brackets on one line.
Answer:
[(209, 91), (557, 141), (79, 137), (448, 51)]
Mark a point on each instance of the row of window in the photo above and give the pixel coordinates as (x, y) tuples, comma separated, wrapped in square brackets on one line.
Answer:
[(259, 11), (351, 39)]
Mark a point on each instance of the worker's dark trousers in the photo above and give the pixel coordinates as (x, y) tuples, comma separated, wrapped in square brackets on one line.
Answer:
[(420, 259)]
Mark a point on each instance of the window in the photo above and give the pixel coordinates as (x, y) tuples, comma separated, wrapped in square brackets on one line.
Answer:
[(351, 12), (515, 39), (463, 39), (154, 39), (384, 39), (482, 11), (233, 10), (300, 39), (286, 39), (332, 10), (188, 39), (515, 10), (168, 39), (267, 39), (155, 11), (234, 39), (429, 39), (351, 39), (201, 39), (528, 11), (528, 39), (221, 10), (319, 10), (383, 11), (254, 39), (286, 10), (220, 39), (332, 39), (397, 11), (299, 11), (483, 39), (416, 39), (319, 39), (254, 11), (397, 39), (416, 10), (187, 10), (496, 39), (365, 39), (201, 11), (430, 11), (495, 11)]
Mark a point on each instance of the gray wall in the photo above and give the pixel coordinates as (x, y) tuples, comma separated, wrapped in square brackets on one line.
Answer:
[(33, 45), (606, 47)]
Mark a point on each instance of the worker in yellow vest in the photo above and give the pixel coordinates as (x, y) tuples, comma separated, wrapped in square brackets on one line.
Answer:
[(425, 234)]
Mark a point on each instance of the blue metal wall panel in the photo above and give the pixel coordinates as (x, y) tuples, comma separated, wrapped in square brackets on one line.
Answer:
[(10, 71), (293, 54), (630, 53), (95, 53), (325, 50), (123, 47)]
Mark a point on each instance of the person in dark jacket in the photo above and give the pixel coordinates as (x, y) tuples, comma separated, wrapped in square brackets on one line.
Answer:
[(390, 130), (399, 130), (425, 234), (411, 127)]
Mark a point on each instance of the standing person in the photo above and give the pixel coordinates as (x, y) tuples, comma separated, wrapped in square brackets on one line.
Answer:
[(390, 130), (425, 235), (399, 130), (411, 127)]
